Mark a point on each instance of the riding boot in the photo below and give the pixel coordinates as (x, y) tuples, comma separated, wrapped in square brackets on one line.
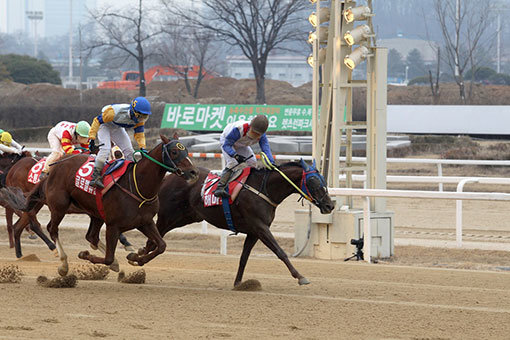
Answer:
[(221, 190), (97, 180)]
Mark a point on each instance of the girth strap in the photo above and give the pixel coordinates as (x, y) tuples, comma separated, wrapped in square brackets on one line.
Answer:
[(258, 193)]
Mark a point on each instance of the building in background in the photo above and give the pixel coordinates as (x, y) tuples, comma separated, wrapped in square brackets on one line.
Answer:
[(292, 69), (13, 17)]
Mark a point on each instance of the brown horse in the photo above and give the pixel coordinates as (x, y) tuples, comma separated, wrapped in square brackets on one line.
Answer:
[(182, 204), (124, 210), (17, 177)]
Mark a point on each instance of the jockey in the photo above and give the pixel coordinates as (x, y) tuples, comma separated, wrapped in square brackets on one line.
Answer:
[(110, 126), (235, 145), (62, 138), (9, 145)]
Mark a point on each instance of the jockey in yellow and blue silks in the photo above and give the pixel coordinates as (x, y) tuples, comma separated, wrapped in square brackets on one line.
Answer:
[(110, 126), (235, 145)]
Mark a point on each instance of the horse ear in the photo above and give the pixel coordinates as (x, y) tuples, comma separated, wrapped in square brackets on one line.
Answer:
[(176, 136), (164, 139), (314, 165), (303, 164)]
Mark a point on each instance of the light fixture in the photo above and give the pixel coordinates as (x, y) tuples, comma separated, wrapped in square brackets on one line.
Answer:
[(322, 58), (357, 56), (356, 13), (357, 35), (323, 17), (323, 35)]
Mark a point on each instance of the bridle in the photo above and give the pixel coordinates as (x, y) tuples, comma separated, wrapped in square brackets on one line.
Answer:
[(311, 173), (168, 163)]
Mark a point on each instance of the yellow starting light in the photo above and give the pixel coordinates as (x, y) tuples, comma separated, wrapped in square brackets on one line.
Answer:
[(356, 13), (322, 58), (323, 17), (356, 57), (357, 35), (323, 35)]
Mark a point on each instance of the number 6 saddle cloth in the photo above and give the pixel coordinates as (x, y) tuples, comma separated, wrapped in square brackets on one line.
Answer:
[(235, 184)]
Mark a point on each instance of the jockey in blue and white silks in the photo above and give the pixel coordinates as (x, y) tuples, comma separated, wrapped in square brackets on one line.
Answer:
[(236, 140)]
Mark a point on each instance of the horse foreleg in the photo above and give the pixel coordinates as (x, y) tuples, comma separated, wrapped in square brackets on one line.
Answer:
[(8, 218), (152, 233), (268, 239), (249, 242), (18, 228), (112, 236)]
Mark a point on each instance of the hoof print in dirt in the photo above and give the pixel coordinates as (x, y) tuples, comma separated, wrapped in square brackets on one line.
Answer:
[(249, 286), (10, 274), (134, 277), (68, 281), (91, 272)]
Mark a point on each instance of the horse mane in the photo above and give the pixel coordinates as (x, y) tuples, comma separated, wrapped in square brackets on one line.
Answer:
[(281, 166)]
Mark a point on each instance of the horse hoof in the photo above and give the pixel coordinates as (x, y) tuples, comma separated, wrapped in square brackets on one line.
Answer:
[(55, 252), (63, 270), (115, 267), (133, 263), (141, 251), (129, 249), (84, 255), (93, 247), (303, 281), (132, 257)]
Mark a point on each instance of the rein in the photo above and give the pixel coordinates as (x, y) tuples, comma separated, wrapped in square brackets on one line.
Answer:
[(164, 166), (270, 166), (145, 200)]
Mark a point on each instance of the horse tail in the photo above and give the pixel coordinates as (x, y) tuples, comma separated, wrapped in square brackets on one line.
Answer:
[(15, 198)]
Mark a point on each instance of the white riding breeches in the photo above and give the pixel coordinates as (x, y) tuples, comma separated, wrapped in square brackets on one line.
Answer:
[(245, 151), (108, 133)]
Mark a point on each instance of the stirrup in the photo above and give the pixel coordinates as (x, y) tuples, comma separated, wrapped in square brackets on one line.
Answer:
[(96, 183), (221, 193)]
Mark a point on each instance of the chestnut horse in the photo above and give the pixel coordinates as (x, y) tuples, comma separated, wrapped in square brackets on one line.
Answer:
[(17, 177), (182, 204), (7, 161), (124, 207)]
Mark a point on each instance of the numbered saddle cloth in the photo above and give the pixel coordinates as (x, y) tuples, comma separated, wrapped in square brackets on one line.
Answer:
[(234, 186), (111, 173), (35, 171)]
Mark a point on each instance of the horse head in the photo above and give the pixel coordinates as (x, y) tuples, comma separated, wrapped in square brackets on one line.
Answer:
[(175, 156), (315, 186)]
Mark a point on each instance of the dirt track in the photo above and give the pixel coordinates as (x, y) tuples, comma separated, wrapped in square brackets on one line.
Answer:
[(188, 295)]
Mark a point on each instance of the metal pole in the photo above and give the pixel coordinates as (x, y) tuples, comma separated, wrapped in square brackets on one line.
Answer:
[(70, 39), (498, 65), (81, 67)]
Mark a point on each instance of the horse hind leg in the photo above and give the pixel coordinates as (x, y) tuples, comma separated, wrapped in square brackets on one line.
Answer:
[(56, 218), (36, 228), (18, 228), (268, 239), (112, 237)]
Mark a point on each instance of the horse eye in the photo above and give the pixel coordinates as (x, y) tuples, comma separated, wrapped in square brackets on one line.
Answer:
[(174, 152)]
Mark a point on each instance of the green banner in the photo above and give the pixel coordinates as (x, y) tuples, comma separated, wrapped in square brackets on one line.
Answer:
[(215, 117)]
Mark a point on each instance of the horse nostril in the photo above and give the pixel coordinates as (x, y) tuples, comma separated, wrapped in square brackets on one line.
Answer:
[(193, 172)]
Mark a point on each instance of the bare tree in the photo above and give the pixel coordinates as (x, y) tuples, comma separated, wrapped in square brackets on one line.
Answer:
[(434, 86), (186, 52), (257, 27), (464, 27), (126, 31)]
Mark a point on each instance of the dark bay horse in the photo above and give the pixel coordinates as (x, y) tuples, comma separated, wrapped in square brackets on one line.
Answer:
[(181, 204), (122, 204)]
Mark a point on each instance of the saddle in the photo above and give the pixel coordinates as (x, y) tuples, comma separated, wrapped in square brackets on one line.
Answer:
[(235, 184)]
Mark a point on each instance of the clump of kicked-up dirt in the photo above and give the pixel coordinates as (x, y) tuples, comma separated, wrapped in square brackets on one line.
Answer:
[(10, 274), (249, 286), (134, 277), (68, 281), (91, 271)]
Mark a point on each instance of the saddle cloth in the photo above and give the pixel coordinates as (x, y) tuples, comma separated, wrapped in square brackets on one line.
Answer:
[(35, 171), (234, 186), (84, 175)]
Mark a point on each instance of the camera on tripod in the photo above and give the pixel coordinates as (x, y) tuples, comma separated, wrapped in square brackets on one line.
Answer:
[(359, 249)]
